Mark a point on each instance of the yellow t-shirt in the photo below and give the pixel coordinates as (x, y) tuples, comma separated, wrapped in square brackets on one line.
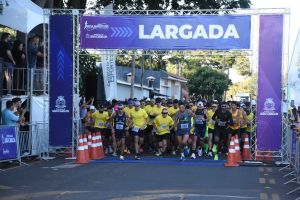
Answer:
[(210, 113), (194, 108), (100, 119), (236, 119), (163, 124), (172, 111), (149, 111), (128, 110), (249, 127), (242, 118), (157, 110), (138, 118)]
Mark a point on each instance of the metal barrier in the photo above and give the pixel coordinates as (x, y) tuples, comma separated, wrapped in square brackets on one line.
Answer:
[(293, 159), (17, 80)]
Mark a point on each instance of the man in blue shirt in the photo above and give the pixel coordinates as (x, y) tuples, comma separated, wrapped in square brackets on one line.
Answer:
[(8, 116)]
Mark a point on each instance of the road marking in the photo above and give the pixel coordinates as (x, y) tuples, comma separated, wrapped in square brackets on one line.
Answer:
[(267, 187), (261, 169), (263, 196), (4, 187), (272, 181), (275, 197), (269, 169), (266, 174), (181, 196), (262, 180)]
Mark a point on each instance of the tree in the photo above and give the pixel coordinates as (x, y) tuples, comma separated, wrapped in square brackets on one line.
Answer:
[(87, 66), (208, 83)]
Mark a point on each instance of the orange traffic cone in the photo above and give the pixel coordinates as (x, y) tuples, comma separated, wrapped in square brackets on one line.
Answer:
[(93, 154), (246, 149), (231, 162), (81, 159), (100, 151), (86, 148), (90, 143), (237, 149)]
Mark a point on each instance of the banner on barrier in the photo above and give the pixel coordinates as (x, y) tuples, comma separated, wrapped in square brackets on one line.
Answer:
[(269, 117), (8, 144), (165, 32), (61, 80), (108, 60)]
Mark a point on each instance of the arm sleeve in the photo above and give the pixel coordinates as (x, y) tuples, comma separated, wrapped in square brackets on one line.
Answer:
[(13, 117)]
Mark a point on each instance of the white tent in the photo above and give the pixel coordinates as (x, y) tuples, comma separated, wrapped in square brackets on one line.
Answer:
[(21, 15)]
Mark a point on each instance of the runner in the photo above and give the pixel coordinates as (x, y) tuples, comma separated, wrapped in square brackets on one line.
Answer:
[(173, 137), (223, 119), (182, 124), (149, 136), (129, 138), (163, 124), (119, 128), (234, 128), (211, 126), (244, 121), (100, 119), (199, 129), (139, 119)]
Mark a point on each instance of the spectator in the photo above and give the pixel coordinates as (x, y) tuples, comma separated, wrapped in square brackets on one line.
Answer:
[(8, 116), (7, 60), (19, 57), (40, 67), (33, 53)]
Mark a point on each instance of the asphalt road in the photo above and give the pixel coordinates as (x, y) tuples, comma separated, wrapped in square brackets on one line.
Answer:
[(150, 178)]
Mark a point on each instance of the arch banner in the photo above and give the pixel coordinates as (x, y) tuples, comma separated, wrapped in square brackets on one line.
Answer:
[(165, 32)]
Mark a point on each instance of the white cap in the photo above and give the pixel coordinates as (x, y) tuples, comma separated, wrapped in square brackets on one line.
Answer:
[(148, 99), (200, 103), (92, 107)]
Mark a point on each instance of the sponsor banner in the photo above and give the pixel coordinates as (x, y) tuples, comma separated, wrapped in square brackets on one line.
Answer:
[(165, 32), (8, 143), (294, 73), (61, 80), (108, 60), (269, 117)]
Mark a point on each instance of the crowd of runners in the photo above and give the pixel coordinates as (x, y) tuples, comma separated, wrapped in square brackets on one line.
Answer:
[(160, 127)]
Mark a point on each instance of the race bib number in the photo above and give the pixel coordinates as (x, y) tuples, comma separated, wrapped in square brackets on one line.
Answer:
[(135, 129), (184, 126), (220, 123), (199, 120), (119, 126), (100, 124), (163, 126)]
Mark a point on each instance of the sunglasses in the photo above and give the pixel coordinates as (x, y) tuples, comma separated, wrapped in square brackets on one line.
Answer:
[(164, 113)]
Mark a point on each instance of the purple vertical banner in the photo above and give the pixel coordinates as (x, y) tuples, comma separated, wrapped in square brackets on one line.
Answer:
[(61, 80), (269, 117), (8, 143)]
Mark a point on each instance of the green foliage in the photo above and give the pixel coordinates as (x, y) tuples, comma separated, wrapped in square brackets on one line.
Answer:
[(249, 85), (208, 83), (87, 66), (242, 65)]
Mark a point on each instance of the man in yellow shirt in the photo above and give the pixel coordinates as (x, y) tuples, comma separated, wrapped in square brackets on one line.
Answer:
[(139, 120), (211, 137), (149, 137), (163, 124), (100, 121), (172, 111)]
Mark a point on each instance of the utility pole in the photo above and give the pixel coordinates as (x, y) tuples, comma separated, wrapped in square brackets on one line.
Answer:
[(132, 74)]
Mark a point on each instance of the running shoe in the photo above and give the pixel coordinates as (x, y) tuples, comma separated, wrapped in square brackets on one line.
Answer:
[(121, 157), (193, 156), (158, 153), (200, 152), (182, 157), (114, 154), (210, 154), (137, 157)]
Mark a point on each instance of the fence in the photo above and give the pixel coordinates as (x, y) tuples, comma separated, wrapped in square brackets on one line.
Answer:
[(16, 80), (293, 159), (31, 140)]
